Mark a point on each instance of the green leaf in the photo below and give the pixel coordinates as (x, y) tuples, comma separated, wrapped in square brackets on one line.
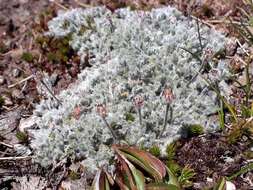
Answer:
[(171, 151), (172, 178), (27, 56), (22, 137), (243, 170), (221, 116), (145, 160), (155, 150), (186, 175), (161, 186), (174, 167), (138, 177), (124, 177), (246, 112), (221, 185), (193, 130), (252, 109), (107, 185), (129, 117)]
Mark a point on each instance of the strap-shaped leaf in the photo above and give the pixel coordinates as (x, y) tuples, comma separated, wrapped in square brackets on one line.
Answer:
[(221, 185), (100, 181), (96, 185), (172, 178), (124, 176), (145, 160), (137, 175), (161, 186)]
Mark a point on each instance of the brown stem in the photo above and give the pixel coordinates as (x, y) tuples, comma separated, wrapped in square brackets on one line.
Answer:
[(168, 108), (111, 130)]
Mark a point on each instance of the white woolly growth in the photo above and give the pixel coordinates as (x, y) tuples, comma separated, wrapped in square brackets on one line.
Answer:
[(131, 52)]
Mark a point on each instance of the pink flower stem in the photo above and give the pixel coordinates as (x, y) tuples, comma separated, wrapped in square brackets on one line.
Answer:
[(139, 113), (168, 109)]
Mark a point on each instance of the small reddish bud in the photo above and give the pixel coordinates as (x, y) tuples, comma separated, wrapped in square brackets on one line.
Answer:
[(208, 53), (168, 95), (138, 101), (76, 112), (101, 110)]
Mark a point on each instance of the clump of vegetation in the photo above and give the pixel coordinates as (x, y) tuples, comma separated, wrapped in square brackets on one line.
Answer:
[(171, 150), (129, 117), (186, 176), (239, 129), (155, 150), (43, 18), (22, 137), (1, 101), (74, 175), (3, 48), (133, 168), (243, 27), (56, 50), (27, 56), (206, 10), (189, 131)]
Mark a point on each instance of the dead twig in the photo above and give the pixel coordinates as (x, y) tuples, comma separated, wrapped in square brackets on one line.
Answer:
[(60, 5), (199, 36), (7, 145), (23, 88), (222, 22), (16, 158), (241, 60), (20, 82), (239, 43), (52, 94), (202, 21), (82, 4)]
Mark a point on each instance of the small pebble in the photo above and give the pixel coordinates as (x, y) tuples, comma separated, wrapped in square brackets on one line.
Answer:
[(231, 47), (2, 80), (7, 101), (230, 186), (16, 94), (23, 1), (16, 73)]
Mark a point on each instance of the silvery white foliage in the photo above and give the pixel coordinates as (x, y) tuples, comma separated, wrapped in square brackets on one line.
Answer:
[(131, 52)]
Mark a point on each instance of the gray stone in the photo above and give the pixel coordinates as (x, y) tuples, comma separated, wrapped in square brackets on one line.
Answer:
[(2, 80), (16, 73)]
